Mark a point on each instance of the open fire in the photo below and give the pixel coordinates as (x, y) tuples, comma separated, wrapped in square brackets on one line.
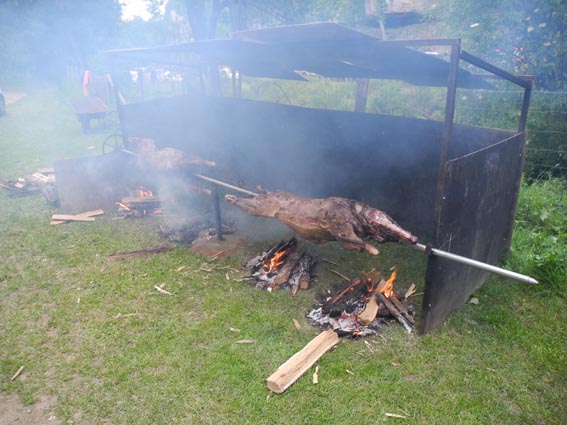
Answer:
[(285, 265), (144, 203), (364, 305)]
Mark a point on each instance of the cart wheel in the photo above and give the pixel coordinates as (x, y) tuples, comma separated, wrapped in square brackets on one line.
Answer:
[(112, 143)]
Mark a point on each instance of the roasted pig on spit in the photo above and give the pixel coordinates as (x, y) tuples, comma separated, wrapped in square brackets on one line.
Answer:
[(167, 158), (330, 219)]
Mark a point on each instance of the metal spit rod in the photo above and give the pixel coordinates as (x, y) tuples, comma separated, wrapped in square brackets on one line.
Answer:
[(221, 183), (419, 246), (474, 263)]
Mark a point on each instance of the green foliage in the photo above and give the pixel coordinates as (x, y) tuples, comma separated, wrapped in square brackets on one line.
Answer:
[(40, 38), (522, 36), (539, 245)]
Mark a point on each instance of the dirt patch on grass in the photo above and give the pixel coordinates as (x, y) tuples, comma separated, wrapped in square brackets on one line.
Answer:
[(12, 411)]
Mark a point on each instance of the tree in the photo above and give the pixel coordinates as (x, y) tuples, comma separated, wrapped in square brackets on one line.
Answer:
[(522, 36), (41, 37)]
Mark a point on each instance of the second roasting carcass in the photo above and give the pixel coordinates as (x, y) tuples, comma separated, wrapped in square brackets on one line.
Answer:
[(330, 219)]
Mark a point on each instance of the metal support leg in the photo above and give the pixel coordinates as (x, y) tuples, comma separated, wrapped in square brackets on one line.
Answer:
[(216, 206)]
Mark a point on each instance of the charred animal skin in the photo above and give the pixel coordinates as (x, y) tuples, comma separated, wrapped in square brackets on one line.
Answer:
[(330, 219)]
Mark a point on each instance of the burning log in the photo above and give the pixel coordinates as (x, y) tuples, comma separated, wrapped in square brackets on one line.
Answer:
[(284, 265), (145, 203), (300, 362), (359, 308)]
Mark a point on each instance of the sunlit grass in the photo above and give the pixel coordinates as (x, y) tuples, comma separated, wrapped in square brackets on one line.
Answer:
[(96, 333)]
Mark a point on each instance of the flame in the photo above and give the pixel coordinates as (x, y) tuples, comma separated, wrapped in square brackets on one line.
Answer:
[(275, 262), (388, 289), (144, 192)]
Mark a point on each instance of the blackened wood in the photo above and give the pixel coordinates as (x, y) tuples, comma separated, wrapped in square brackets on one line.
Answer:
[(355, 282), (300, 276), (395, 312), (402, 308)]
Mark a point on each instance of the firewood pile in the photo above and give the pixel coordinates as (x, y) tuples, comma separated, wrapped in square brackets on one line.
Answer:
[(362, 306), (43, 180), (286, 265)]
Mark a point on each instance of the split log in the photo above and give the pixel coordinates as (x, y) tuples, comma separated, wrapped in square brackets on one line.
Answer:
[(369, 313), (395, 312), (137, 253), (86, 214), (300, 362), (70, 217), (301, 274), (402, 308)]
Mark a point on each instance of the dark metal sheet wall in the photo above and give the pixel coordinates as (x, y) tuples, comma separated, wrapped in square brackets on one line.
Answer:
[(388, 162), (480, 194)]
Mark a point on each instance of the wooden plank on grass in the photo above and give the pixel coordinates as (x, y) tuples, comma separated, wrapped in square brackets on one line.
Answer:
[(86, 214), (301, 361)]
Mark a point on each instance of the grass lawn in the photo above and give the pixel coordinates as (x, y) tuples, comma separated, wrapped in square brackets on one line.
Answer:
[(96, 334)]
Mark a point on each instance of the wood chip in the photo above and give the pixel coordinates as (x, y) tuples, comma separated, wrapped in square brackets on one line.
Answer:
[(349, 372), (296, 324), (329, 261), (410, 291), (246, 341), (162, 291), (316, 375), (120, 315), (17, 373), (233, 329), (214, 256), (394, 415), (342, 276), (180, 268)]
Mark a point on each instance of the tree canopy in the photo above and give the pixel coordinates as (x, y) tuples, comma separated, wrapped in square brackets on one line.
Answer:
[(41, 37), (522, 36)]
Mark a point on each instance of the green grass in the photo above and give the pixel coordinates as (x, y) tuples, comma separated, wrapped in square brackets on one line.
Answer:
[(174, 359)]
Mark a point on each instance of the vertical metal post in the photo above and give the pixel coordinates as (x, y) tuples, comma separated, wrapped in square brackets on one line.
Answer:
[(233, 80), (521, 129), (361, 95), (525, 107), (216, 207), (239, 85), (447, 131)]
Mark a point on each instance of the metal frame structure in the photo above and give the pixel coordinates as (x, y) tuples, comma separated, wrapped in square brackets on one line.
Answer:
[(438, 269)]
